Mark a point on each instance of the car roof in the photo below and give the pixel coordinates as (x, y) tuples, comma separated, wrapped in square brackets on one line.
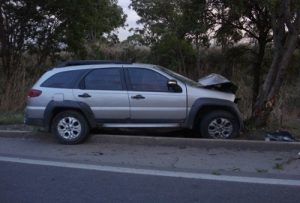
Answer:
[(91, 64)]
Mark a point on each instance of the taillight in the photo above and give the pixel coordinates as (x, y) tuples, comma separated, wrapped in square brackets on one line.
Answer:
[(34, 93)]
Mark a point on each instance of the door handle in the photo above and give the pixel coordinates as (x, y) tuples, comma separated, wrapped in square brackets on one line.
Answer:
[(85, 95), (138, 97)]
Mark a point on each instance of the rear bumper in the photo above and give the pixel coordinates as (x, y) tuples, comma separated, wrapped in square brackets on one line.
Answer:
[(34, 121), (34, 116)]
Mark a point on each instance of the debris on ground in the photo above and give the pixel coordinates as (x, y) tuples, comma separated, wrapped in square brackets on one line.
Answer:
[(282, 136)]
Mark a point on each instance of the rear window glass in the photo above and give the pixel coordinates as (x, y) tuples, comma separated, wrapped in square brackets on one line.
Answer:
[(63, 79)]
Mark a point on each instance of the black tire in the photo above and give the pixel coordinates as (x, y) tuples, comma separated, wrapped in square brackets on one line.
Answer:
[(70, 127), (217, 125)]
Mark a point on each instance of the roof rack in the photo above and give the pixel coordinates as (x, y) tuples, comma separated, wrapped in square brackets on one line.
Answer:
[(89, 62)]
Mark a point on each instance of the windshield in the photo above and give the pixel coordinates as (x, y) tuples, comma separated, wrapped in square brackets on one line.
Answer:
[(178, 76)]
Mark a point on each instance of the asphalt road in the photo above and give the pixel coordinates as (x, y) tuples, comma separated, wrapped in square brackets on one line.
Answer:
[(21, 182), (38, 169)]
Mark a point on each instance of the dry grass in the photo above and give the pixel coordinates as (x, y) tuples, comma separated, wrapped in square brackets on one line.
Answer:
[(11, 118), (286, 114), (15, 91)]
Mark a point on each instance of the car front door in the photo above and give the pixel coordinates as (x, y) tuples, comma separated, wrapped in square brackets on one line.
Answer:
[(104, 90), (151, 101)]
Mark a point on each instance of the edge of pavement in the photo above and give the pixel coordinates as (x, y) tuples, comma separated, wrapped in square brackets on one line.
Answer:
[(167, 141)]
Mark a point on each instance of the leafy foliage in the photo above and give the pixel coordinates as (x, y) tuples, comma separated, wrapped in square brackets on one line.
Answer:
[(192, 36), (45, 26), (173, 28)]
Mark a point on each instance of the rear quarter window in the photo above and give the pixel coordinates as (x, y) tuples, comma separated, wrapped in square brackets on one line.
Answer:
[(65, 79)]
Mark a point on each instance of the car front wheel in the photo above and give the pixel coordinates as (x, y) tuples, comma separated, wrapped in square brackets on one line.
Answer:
[(219, 125), (70, 127)]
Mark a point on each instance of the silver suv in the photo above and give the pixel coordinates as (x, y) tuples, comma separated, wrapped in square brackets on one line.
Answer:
[(77, 96)]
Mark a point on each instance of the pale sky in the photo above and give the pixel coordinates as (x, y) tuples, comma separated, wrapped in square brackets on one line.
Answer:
[(132, 17)]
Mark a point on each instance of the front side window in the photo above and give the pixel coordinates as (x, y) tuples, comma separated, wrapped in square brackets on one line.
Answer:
[(147, 80), (104, 79), (179, 77)]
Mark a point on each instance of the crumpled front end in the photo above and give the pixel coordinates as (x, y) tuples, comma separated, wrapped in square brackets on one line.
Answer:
[(218, 82)]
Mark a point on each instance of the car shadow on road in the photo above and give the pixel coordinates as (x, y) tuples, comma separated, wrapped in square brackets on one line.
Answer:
[(148, 132)]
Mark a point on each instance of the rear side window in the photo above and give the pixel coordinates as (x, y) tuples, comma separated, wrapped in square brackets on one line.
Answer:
[(104, 79), (65, 79)]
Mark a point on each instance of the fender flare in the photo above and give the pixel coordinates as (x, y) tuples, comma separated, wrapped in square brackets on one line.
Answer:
[(202, 103), (67, 104)]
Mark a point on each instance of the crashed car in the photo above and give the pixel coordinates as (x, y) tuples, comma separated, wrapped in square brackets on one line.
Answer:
[(75, 97), (218, 82)]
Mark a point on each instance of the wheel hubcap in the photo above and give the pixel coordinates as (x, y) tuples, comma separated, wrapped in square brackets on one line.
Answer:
[(220, 128), (69, 128)]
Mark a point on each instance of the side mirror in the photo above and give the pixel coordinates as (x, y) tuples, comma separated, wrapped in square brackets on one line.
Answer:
[(173, 86), (172, 82)]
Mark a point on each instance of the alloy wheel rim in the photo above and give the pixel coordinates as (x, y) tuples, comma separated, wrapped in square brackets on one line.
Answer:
[(69, 128), (220, 128)]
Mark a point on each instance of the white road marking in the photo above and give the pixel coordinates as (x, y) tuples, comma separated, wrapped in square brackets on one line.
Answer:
[(152, 172), (14, 131)]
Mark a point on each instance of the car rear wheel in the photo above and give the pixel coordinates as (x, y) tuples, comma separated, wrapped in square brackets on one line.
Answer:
[(70, 127), (219, 125)]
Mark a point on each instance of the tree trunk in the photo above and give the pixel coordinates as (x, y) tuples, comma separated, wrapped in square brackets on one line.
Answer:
[(285, 45), (198, 55), (257, 66), (182, 60)]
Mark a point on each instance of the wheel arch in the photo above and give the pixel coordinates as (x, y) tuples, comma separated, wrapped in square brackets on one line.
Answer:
[(55, 107), (204, 105)]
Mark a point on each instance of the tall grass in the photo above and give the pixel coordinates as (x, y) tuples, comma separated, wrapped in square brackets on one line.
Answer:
[(13, 92)]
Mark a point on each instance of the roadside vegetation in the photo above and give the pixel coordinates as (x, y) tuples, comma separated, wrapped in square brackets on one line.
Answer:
[(254, 43), (8, 118)]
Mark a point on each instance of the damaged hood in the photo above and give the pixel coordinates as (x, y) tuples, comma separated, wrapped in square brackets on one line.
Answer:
[(218, 82)]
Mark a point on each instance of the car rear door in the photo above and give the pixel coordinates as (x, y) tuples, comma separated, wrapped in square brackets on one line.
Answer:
[(103, 89)]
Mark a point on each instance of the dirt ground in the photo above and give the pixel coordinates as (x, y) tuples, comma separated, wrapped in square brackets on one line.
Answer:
[(253, 135)]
